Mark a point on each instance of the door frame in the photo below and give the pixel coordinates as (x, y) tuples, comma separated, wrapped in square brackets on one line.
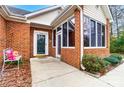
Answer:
[(58, 33), (35, 42)]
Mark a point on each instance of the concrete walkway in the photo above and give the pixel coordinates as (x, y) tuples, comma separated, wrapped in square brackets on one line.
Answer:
[(115, 77), (51, 72)]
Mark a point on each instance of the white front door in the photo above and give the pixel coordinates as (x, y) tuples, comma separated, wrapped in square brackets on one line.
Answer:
[(40, 43)]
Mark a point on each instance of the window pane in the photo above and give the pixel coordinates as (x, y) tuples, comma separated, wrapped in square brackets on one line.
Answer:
[(93, 33), (58, 28), (54, 37), (86, 32), (99, 34), (103, 35), (65, 34), (40, 44), (71, 28)]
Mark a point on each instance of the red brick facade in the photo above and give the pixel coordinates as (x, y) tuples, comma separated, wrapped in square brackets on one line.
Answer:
[(101, 51), (18, 37), (51, 49), (2, 35), (72, 55)]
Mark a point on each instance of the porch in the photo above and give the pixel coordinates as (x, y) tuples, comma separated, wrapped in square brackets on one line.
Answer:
[(51, 72)]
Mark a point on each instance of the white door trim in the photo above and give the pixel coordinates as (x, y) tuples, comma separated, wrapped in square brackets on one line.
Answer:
[(35, 42)]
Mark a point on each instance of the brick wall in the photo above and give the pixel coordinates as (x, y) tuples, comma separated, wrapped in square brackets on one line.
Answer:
[(2, 35), (18, 38), (101, 51), (72, 55), (97, 51), (108, 28), (51, 49)]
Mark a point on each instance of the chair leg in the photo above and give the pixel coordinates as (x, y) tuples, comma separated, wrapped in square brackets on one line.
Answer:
[(2, 69), (21, 59), (18, 64)]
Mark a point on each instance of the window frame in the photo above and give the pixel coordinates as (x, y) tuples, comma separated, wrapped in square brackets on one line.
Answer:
[(53, 38), (62, 34), (96, 21), (91, 33), (72, 16)]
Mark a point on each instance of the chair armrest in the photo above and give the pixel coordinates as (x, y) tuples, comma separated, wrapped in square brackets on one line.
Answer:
[(18, 57)]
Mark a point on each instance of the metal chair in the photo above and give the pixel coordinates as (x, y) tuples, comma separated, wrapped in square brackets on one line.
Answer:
[(5, 59)]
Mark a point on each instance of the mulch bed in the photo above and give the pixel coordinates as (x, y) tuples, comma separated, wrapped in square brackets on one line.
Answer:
[(16, 78), (111, 67)]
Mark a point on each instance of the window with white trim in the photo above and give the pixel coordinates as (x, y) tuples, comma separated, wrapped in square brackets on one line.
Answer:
[(68, 35), (94, 33), (54, 38), (64, 37)]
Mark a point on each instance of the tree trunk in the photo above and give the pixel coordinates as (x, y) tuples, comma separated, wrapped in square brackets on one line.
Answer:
[(116, 19)]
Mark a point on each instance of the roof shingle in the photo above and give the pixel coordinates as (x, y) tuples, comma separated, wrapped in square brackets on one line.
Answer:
[(17, 10)]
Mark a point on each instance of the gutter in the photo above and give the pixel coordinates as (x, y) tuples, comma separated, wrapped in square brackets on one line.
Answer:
[(81, 28), (110, 14)]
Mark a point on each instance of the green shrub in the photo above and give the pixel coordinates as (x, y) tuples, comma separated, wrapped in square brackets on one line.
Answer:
[(112, 60), (117, 44), (14, 62), (93, 63), (119, 57), (106, 63)]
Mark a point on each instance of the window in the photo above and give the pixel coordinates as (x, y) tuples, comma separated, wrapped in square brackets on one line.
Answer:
[(58, 28), (103, 35), (65, 34), (71, 29), (99, 38), (94, 33), (69, 33), (54, 37), (86, 31)]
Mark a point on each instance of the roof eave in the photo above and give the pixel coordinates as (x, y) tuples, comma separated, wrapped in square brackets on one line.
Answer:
[(107, 12), (42, 11), (60, 15), (8, 15), (71, 7)]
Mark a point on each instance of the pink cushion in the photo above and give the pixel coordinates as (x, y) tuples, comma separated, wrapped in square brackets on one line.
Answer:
[(10, 55)]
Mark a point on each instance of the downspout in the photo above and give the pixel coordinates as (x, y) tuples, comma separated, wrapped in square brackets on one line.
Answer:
[(81, 37)]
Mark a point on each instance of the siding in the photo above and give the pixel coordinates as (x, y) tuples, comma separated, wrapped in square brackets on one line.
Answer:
[(95, 13), (45, 18)]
